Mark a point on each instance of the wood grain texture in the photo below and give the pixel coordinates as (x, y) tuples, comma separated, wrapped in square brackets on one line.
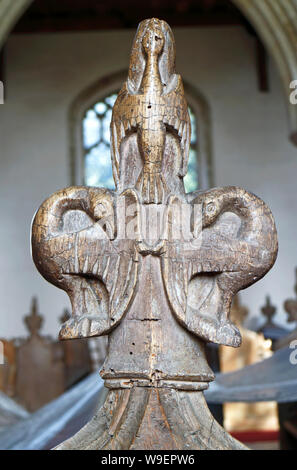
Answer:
[(76, 357), (151, 266)]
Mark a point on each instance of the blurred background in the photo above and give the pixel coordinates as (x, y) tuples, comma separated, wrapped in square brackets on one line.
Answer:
[(62, 64)]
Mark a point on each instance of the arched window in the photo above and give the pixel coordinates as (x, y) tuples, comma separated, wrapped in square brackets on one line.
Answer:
[(96, 143), (90, 150), (192, 177)]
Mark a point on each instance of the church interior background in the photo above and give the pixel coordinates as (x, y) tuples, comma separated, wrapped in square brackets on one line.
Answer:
[(62, 65)]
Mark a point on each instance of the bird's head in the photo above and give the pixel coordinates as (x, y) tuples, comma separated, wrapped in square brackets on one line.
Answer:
[(153, 40)]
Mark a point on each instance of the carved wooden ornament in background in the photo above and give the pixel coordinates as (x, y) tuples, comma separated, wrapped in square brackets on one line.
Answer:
[(151, 266), (40, 366)]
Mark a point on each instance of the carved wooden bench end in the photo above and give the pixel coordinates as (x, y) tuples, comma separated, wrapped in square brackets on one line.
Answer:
[(151, 266)]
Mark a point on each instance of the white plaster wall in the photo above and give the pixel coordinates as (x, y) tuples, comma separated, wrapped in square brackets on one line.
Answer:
[(44, 74)]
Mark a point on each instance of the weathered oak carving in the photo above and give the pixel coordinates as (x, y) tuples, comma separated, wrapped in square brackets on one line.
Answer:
[(76, 356), (151, 266)]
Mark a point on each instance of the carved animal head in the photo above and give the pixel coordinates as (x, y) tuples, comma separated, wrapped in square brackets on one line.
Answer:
[(153, 39), (202, 281), (146, 34)]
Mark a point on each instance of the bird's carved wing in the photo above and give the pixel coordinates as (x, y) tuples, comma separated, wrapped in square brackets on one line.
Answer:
[(202, 278), (74, 248), (176, 117), (125, 117)]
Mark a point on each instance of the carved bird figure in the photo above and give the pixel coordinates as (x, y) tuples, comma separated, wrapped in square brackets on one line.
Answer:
[(152, 110)]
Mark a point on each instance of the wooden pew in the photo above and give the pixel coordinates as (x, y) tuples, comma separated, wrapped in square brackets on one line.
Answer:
[(274, 379), (270, 329), (76, 358), (247, 417), (40, 365), (38, 368)]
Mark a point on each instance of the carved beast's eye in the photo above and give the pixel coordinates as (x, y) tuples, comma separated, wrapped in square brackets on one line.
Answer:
[(210, 208)]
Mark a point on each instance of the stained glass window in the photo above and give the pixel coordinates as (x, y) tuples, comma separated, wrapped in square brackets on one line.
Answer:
[(96, 145), (191, 178)]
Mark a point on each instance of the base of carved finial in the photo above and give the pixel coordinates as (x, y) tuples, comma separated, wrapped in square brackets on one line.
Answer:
[(152, 419)]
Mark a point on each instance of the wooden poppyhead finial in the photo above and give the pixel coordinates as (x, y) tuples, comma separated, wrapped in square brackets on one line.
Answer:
[(34, 321), (269, 311), (159, 290), (290, 305)]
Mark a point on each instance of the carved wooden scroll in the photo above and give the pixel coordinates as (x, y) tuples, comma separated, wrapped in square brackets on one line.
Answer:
[(151, 266)]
